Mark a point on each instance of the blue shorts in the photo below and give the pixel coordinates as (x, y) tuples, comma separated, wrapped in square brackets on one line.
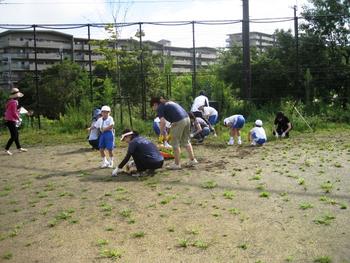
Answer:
[(239, 123), (213, 119), (106, 140), (257, 140)]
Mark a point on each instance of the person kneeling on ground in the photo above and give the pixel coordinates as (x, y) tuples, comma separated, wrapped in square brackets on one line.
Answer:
[(282, 125), (199, 128), (257, 135), (145, 154), (235, 123)]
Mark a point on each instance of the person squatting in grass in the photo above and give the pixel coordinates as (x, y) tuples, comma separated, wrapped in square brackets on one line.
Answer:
[(145, 154), (94, 133), (180, 128), (199, 128), (235, 123), (257, 135), (12, 120), (211, 115), (106, 142), (282, 125)]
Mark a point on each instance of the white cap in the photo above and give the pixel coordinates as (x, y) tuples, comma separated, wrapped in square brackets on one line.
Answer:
[(226, 121), (106, 108), (126, 134), (259, 123)]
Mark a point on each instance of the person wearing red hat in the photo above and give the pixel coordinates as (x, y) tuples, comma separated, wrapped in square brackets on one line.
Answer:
[(12, 119)]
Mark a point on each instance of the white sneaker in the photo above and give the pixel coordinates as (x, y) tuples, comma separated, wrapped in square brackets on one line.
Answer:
[(104, 164), (167, 145), (193, 162), (110, 164), (230, 142), (8, 152), (239, 142), (22, 150), (174, 166)]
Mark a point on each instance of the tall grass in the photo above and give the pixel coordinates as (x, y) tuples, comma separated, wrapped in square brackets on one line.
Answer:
[(72, 126)]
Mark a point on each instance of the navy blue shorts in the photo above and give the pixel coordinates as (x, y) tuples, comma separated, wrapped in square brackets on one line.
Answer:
[(239, 123), (106, 140), (213, 119)]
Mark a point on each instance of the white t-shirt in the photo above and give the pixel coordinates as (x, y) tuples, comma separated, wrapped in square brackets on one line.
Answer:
[(232, 119), (167, 124), (258, 133), (210, 111), (201, 100), (94, 132), (101, 123)]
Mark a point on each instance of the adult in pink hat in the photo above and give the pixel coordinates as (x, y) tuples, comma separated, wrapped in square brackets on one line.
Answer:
[(12, 119)]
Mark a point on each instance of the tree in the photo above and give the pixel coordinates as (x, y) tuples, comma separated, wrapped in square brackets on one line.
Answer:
[(60, 85)]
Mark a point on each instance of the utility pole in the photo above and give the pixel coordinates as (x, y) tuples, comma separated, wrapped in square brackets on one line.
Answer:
[(90, 66), (143, 84), (296, 39), (247, 80)]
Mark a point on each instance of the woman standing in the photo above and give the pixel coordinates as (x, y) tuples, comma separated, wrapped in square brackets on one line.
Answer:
[(12, 120)]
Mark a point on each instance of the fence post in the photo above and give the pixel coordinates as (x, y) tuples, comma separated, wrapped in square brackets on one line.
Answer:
[(296, 39), (246, 51), (36, 76), (194, 66), (142, 76), (90, 66)]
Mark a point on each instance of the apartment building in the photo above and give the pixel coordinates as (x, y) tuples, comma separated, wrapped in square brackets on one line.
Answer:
[(17, 54), (257, 39)]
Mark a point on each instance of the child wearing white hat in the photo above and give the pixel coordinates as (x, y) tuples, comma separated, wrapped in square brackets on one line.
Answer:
[(106, 141), (257, 135)]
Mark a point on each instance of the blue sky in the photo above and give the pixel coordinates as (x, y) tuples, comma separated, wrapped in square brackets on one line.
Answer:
[(89, 11)]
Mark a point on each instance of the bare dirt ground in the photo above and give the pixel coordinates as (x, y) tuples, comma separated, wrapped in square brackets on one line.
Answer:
[(285, 202)]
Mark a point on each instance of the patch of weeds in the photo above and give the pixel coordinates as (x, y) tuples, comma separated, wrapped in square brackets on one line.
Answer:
[(338, 165), (324, 220), (109, 229), (7, 255), (50, 187), (234, 211), (343, 206), (193, 231), (233, 174), (131, 221), (107, 194), (41, 194), (138, 234), (264, 194), (171, 229), (121, 190), (209, 184), (111, 253), (283, 194), (183, 242), (74, 221), (305, 206), (52, 223), (327, 187), (260, 187), (102, 242), (229, 194), (215, 214), (328, 200), (13, 233), (106, 207), (258, 171), (324, 259), (301, 181), (64, 215), (200, 244), (243, 246), (167, 199), (256, 177), (289, 259), (125, 213)]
